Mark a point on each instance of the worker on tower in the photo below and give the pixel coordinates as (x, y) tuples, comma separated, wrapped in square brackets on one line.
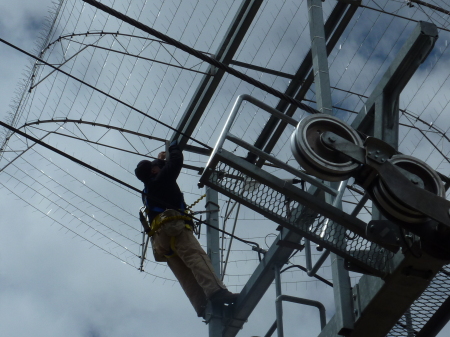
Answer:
[(171, 231)]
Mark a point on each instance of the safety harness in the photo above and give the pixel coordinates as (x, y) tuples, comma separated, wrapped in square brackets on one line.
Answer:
[(152, 228)]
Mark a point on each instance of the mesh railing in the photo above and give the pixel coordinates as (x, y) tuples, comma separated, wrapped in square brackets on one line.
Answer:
[(424, 307), (272, 203), (270, 200)]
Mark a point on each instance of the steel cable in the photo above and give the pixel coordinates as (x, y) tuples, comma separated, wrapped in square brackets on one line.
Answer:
[(201, 56), (100, 91), (96, 170)]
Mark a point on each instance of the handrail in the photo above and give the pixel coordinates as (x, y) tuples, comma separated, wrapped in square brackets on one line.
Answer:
[(278, 324), (225, 134)]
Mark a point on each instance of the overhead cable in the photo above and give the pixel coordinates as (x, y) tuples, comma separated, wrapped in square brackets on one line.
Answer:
[(102, 92), (96, 170), (425, 4), (201, 56)]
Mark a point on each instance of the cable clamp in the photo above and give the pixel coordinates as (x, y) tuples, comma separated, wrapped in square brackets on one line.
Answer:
[(259, 250), (212, 203)]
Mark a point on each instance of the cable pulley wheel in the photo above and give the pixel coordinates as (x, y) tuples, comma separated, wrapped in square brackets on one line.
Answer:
[(394, 207), (314, 156)]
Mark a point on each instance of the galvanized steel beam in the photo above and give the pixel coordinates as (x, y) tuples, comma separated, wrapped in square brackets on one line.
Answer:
[(387, 300), (334, 27), (414, 51), (259, 282), (208, 84), (263, 276), (214, 310), (341, 280)]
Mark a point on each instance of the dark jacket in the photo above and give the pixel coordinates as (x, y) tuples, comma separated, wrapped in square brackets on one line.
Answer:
[(161, 191)]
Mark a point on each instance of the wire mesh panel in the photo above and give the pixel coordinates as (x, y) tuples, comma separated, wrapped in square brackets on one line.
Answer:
[(424, 307), (269, 196)]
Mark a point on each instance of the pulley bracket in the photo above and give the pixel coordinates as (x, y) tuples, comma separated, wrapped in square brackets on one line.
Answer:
[(409, 192), (401, 184), (384, 232), (351, 150)]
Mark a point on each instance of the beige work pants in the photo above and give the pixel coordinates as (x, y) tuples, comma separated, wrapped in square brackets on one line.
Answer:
[(190, 265)]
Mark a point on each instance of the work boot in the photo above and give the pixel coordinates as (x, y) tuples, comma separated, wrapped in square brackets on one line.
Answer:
[(224, 296), (202, 312)]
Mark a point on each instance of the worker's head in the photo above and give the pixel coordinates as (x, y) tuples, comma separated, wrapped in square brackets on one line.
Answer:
[(146, 168), (157, 165)]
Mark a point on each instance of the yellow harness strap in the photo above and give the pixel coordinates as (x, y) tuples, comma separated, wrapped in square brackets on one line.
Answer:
[(173, 250), (158, 221)]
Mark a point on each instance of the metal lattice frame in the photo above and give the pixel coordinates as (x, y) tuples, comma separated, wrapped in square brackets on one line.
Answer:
[(237, 179), (273, 199), (423, 309)]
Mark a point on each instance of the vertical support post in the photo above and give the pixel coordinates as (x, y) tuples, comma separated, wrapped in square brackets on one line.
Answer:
[(342, 288), (386, 126), (212, 235), (278, 304), (386, 122), (379, 117), (213, 251), (409, 323), (319, 56), (308, 256), (342, 296)]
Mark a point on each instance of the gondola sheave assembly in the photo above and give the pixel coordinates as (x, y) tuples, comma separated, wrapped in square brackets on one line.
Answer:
[(428, 179), (317, 159), (314, 156)]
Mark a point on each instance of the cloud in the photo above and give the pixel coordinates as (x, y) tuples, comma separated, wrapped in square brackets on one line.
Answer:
[(54, 280)]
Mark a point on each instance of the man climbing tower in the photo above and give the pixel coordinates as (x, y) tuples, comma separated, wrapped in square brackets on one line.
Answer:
[(171, 231)]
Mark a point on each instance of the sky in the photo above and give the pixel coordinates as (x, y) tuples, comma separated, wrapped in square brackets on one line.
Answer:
[(67, 278), (51, 283), (54, 284)]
